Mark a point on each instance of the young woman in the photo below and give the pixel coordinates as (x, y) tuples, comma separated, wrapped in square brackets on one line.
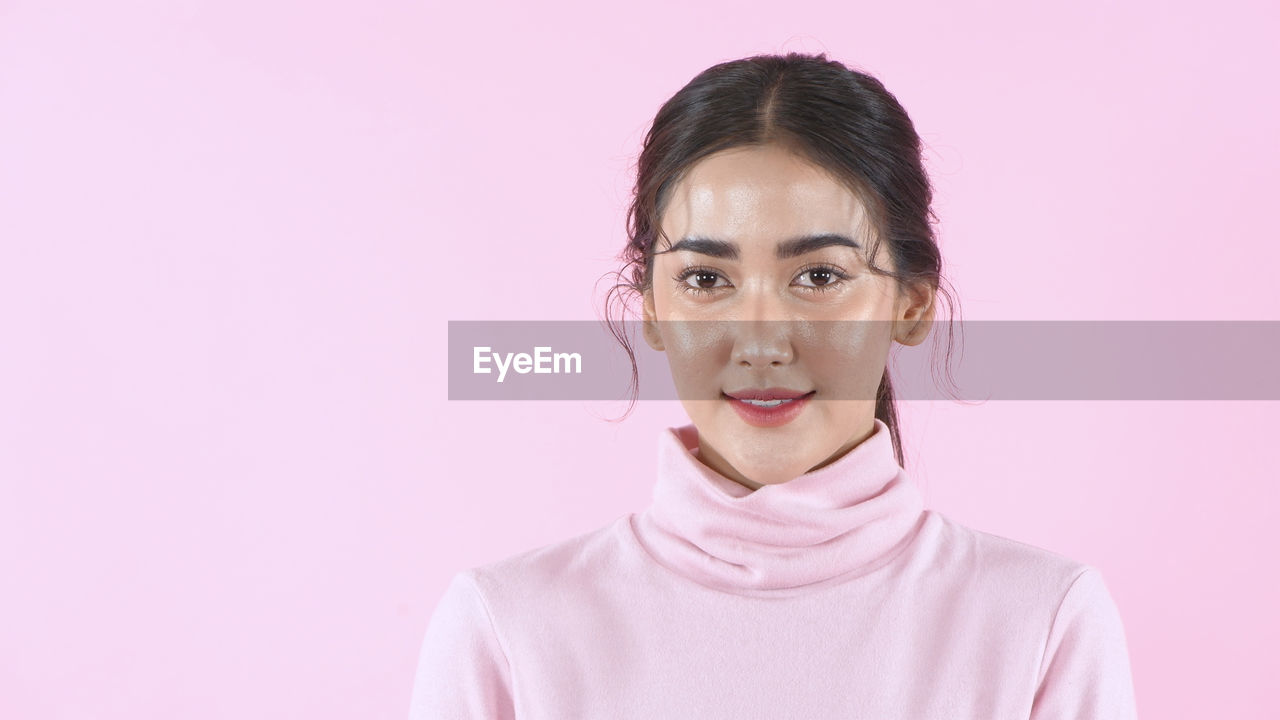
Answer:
[(780, 243)]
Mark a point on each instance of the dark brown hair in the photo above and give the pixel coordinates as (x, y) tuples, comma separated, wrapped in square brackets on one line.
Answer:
[(842, 120)]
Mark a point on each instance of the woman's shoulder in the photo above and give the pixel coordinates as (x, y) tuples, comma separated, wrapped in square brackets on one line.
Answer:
[(558, 564), (1061, 608), (1015, 566)]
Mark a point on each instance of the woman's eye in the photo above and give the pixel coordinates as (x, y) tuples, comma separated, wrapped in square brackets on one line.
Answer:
[(704, 279), (821, 278), (700, 280), (818, 277)]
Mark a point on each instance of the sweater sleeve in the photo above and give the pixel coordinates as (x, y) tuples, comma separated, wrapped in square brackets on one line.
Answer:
[(1085, 674), (463, 671)]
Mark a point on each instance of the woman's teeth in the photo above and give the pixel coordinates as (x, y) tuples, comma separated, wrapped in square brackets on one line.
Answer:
[(768, 403)]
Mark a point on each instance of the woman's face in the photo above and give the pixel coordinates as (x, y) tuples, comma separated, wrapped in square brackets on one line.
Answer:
[(756, 287)]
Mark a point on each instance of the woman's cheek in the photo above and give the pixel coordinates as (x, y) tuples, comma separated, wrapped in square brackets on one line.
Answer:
[(695, 361)]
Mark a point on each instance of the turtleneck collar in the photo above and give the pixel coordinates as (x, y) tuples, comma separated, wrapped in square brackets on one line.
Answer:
[(827, 525)]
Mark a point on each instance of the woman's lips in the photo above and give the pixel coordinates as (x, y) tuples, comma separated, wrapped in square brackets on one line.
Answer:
[(771, 393), (774, 412)]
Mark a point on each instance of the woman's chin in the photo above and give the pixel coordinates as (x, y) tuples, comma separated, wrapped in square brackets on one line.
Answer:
[(767, 466)]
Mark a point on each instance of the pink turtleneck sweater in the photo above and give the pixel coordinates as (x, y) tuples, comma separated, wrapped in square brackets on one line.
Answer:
[(834, 595)]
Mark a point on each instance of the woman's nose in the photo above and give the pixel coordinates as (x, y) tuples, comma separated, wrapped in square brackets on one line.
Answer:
[(762, 344), (762, 337)]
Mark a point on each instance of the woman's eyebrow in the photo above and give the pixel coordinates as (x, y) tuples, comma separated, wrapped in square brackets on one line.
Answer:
[(786, 249)]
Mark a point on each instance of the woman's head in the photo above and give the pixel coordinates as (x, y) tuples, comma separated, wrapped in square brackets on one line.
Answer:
[(781, 237)]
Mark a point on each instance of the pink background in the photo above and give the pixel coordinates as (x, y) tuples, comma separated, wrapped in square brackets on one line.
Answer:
[(230, 483)]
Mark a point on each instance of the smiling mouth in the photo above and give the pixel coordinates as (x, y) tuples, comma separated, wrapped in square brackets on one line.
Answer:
[(766, 403), (767, 398), (769, 408)]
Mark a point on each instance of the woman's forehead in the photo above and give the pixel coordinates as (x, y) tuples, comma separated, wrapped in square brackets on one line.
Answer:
[(760, 194)]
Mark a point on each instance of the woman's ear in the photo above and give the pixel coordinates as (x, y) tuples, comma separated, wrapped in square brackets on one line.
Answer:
[(651, 334), (915, 314)]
